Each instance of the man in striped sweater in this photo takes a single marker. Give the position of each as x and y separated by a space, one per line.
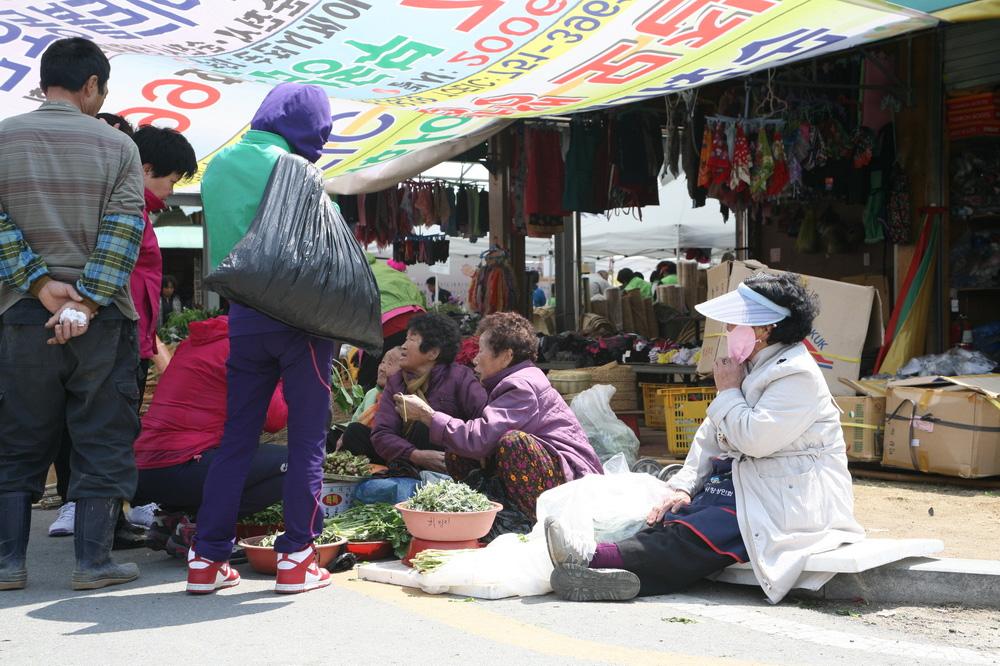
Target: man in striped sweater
71 198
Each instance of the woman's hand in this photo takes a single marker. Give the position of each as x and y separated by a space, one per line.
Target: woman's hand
429 459
728 374
413 408
674 501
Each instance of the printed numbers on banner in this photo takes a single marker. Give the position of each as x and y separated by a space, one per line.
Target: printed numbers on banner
500 41
574 27
507 105
205 96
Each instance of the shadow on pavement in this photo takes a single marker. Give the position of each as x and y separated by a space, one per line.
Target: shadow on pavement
113 613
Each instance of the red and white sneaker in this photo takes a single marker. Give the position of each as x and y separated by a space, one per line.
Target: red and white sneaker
206 576
300 572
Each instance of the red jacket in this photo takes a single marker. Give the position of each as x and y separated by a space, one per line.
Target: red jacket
146 280
189 407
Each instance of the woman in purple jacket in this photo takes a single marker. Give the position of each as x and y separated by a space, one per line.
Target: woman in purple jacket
429 374
526 432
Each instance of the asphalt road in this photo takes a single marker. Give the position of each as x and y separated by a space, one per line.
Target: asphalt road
153 621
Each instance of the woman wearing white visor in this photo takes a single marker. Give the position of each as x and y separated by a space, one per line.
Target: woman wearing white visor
765 480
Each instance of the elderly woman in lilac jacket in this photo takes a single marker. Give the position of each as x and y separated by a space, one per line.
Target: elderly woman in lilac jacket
526 432
429 374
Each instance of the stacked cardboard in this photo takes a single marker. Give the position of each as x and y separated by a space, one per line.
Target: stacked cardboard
944 425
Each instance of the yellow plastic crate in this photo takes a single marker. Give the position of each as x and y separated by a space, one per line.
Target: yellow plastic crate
652 404
684 410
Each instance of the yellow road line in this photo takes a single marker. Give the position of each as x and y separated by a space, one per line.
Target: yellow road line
477 620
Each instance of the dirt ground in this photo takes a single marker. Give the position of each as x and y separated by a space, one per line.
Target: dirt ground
968 521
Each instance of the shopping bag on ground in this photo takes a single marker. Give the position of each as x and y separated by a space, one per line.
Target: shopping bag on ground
300 264
596 508
607 433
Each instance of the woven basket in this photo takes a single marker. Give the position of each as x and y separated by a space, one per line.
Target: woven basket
622 377
569 382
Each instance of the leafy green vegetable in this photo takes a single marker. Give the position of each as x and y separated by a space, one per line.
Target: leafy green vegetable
345 463
328 535
271 515
448 497
679 620
175 328
372 522
347 393
427 561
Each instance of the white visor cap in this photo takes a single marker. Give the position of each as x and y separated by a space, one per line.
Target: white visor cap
743 307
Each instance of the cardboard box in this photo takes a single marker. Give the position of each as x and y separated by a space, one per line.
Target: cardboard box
849 322
863 423
944 425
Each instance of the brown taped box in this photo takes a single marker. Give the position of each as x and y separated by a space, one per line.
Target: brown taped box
849 322
863 423
955 427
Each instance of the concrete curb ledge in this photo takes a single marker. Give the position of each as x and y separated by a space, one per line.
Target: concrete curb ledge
921 581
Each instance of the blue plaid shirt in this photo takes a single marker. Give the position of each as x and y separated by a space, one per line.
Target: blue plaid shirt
106 272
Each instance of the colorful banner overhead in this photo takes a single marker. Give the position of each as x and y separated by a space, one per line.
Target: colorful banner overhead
407 74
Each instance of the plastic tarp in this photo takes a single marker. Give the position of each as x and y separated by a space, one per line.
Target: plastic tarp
405 75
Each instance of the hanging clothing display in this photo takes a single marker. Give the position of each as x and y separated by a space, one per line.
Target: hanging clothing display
428 250
381 217
587 170
636 145
492 286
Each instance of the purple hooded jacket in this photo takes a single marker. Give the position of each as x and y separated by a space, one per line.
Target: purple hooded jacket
452 389
521 398
298 113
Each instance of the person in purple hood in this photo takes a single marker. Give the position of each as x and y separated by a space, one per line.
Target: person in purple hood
295 119
527 432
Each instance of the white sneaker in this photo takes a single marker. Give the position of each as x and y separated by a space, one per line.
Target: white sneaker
142 515
65 519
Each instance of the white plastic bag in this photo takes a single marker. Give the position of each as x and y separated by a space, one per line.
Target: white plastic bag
605 508
607 433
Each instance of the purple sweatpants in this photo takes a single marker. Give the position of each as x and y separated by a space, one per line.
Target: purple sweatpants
256 362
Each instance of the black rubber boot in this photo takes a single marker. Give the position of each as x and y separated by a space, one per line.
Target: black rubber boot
94 534
15 526
129 536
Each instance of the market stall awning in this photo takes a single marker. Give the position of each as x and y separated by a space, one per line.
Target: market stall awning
408 75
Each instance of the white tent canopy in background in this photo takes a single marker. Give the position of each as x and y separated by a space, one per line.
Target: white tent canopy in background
672 225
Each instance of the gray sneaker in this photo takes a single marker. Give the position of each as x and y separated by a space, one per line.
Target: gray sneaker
575 583
561 551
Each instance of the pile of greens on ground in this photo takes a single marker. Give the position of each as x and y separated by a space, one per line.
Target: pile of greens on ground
366 522
271 515
448 497
175 328
372 522
345 463
328 535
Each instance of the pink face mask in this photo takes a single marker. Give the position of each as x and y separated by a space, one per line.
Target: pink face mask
741 341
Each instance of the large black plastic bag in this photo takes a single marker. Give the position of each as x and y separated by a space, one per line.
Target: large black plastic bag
300 264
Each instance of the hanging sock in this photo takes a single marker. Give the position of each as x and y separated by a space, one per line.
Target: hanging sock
739 177
764 161
719 164
704 179
780 178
